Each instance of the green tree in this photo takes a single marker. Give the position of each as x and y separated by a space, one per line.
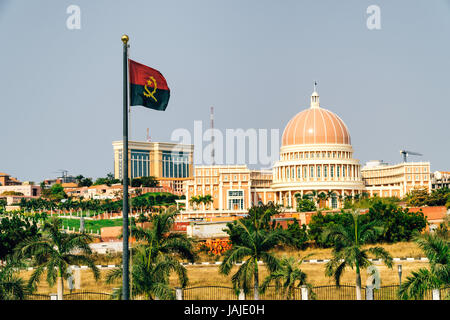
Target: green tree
3 204
14 230
437 276
399 224
149 182
298 234
253 239
12 287
54 252
287 277
157 255
57 192
136 182
306 205
101 181
348 241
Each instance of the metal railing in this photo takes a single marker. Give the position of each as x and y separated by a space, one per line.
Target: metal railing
327 292
209 293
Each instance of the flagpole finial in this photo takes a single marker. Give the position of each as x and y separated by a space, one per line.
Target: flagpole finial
125 39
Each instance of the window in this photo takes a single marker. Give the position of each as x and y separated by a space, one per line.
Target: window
325 169
235 177
338 169
140 163
304 172
225 177
318 171
207 188
293 173
311 173
175 164
332 171
343 171
299 172
207 180
215 180
235 199
333 201
215 188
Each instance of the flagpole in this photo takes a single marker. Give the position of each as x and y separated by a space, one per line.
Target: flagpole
125 253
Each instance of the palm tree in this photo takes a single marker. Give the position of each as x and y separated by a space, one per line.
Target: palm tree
287 277
207 199
252 241
322 197
150 275
157 256
11 286
348 239
437 276
160 241
54 252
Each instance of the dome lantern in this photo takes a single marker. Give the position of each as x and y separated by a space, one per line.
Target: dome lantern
315 97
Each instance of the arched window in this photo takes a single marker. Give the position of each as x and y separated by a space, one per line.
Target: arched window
334 201
318 171
332 171
338 169
311 174
299 172
325 169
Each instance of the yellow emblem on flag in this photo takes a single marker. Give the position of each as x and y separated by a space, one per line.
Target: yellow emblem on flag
149 94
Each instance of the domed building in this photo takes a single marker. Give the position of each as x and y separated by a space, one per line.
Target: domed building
316 159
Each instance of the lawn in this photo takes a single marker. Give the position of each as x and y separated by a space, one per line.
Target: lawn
94 225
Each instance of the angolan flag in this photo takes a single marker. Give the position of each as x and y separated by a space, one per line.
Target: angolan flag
148 88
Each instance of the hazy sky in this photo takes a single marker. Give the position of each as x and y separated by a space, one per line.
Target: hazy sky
254 61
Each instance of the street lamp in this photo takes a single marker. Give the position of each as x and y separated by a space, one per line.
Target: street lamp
400 274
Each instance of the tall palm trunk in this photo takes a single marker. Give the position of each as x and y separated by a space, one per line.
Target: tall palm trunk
60 287
256 284
358 283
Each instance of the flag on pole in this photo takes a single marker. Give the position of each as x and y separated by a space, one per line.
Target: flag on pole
148 87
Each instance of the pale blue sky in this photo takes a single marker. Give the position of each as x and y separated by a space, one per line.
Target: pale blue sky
254 61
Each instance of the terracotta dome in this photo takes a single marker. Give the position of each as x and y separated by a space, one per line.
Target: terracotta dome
315 125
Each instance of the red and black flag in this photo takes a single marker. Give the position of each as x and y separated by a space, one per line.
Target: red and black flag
148 88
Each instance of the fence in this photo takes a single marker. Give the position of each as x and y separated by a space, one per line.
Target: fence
209 293
332 292
36 296
328 292
86 295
